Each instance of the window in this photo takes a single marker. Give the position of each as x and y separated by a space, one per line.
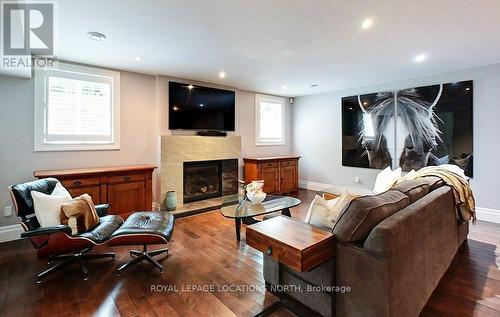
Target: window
269 120
76 108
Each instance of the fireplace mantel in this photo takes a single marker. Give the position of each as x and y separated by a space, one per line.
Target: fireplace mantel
177 149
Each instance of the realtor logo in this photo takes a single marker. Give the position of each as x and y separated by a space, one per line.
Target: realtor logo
28 28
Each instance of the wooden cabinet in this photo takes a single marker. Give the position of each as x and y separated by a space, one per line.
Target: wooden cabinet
280 174
125 188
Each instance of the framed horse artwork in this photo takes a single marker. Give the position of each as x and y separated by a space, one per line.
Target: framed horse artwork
410 128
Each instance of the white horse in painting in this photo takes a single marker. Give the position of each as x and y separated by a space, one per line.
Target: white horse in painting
400 129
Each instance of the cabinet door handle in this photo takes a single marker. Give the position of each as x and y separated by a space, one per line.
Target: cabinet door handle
126 178
77 183
269 251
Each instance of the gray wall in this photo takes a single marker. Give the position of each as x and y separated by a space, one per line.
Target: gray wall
18 160
317 133
143 120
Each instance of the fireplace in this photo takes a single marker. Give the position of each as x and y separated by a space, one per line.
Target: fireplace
209 179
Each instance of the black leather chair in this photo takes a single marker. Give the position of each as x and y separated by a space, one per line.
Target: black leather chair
57 243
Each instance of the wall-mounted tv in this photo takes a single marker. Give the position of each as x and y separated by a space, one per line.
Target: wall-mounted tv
193 107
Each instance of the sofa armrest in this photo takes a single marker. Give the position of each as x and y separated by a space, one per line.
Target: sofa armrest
102 209
46 231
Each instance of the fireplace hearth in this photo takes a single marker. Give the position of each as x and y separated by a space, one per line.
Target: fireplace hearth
209 179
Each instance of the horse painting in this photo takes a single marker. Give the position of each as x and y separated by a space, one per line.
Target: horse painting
409 128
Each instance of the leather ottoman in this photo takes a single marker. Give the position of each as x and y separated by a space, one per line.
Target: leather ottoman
144 227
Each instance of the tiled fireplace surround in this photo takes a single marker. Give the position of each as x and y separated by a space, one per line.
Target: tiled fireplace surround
178 149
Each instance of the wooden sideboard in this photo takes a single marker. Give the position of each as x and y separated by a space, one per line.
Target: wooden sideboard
125 188
280 173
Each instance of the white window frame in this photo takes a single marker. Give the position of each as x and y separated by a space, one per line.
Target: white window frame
40 108
269 142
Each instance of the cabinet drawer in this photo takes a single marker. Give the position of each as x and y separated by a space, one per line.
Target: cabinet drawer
77 182
126 178
93 191
288 163
268 164
283 253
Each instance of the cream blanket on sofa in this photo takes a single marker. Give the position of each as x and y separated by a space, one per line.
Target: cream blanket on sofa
454 177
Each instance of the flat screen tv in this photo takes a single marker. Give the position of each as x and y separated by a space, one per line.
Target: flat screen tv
193 107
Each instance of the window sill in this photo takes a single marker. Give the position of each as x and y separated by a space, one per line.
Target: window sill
76 147
269 143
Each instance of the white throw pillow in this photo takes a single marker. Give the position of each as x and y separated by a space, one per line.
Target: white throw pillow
59 190
48 207
407 177
385 179
324 213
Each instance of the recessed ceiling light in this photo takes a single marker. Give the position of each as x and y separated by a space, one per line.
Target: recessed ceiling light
190 87
365 103
368 23
314 85
420 58
222 74
284 87
175 108
138 58
202 105
96 36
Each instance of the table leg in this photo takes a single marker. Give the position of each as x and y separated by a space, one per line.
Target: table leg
237 222
286 212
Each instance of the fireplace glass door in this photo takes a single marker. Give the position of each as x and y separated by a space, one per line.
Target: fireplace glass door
202 180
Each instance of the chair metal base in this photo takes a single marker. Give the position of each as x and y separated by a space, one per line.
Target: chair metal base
143 255
68 259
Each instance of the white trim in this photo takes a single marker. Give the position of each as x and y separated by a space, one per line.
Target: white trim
484 214
10 233
313 185
487 214
335 189
40 104
270 142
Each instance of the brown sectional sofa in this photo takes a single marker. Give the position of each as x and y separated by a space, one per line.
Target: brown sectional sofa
391 250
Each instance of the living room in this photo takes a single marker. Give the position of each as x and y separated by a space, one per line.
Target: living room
237 158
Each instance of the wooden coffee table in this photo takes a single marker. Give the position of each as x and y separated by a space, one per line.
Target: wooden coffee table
242 210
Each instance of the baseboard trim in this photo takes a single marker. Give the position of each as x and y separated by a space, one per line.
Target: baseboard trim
10 233
488 214
313 185
484 214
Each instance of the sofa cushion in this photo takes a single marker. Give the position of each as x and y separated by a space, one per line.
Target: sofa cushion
434 182
365 212
415 188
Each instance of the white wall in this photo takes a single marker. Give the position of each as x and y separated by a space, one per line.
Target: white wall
317 134
245 122
144 119
247 129
18 160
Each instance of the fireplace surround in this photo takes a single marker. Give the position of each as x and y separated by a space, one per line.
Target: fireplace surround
178 149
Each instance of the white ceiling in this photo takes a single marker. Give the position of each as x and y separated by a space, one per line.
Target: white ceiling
265 44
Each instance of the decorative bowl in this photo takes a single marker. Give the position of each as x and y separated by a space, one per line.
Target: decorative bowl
256 198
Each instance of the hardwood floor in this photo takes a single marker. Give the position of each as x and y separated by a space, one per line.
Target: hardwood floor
204 252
